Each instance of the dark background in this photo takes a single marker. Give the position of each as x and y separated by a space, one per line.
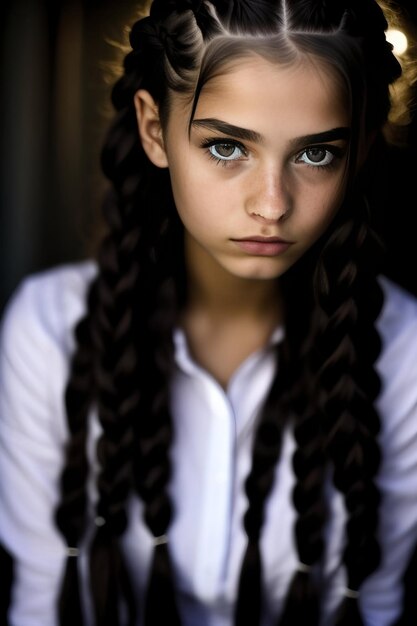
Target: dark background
56 65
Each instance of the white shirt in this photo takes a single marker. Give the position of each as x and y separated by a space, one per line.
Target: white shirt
211 459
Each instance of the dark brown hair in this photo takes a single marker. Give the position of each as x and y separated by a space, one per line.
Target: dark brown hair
326 386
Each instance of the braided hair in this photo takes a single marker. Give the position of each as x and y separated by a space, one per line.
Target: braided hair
326 384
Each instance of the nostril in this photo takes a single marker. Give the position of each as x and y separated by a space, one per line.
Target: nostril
268 215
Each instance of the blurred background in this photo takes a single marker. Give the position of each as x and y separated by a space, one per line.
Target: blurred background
56 65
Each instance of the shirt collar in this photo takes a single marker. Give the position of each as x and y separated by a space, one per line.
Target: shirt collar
185 360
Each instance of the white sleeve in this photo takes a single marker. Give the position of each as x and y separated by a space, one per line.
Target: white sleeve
382 593
33 372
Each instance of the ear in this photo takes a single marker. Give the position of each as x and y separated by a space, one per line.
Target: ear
150 129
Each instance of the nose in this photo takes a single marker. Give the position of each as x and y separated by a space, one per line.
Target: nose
269 200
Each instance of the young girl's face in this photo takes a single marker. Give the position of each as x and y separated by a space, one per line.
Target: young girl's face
262 173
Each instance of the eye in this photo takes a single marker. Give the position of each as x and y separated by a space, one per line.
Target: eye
320 156
224 151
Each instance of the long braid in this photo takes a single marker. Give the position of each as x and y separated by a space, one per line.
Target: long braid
117 401
154 437
266 450
123 264
71 513
154 321
302 601
348 346
288 402
309 468
114 366
125 270
116 358
309 459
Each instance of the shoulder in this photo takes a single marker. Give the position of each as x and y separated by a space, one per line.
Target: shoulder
397 325
399 314
36 341
46 305
397 477
397 367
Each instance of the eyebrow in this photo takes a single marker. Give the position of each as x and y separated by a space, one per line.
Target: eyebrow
334 134
229 129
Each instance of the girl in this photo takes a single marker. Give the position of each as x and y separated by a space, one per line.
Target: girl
230 435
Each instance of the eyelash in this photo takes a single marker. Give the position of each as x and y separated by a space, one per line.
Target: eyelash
209 143
335 151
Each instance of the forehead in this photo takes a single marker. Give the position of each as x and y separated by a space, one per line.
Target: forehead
255 92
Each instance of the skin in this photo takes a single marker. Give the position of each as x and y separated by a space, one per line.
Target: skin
267 184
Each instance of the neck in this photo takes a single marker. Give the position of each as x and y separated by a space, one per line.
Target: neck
222 295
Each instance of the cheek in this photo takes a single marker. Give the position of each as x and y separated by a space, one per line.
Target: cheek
193 207
315 221
197 202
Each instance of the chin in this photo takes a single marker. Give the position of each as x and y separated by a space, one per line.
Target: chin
261 272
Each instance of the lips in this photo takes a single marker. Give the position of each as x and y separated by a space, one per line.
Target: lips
263 246
264 239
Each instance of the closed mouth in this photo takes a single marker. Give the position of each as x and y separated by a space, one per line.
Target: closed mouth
262 246
263 239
